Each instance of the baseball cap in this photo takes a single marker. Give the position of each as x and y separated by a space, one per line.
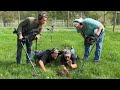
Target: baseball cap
67 53
76 22
54 50
80 20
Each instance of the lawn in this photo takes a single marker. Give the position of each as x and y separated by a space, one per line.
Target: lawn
108 68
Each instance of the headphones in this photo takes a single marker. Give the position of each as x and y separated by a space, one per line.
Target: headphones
41 15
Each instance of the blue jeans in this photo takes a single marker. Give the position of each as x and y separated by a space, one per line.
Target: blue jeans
98 48
19 50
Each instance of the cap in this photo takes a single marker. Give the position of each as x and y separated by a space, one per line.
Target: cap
54 50
80 20
41 15
76 22
67 53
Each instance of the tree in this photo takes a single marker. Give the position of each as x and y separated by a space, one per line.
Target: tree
8 16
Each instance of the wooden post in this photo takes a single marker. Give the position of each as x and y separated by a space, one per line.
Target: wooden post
115 16
37 13
81 14
104 19
68 20
18 17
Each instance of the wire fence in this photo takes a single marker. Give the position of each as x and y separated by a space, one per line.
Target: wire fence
58 25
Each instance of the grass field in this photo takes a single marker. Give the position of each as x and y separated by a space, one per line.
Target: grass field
109 67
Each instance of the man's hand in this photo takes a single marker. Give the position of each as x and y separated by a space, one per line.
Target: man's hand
69 62
91 39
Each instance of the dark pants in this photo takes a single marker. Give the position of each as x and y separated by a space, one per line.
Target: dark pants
19 50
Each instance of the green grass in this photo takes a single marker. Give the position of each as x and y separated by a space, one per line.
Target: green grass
108 68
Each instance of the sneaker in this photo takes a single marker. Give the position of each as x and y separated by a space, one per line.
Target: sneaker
18 62
96 61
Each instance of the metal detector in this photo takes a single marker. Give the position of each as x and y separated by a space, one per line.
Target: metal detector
85 60
36 44
24 39
35 72
50 31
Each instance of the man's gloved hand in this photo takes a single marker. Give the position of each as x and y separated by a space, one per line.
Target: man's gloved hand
91 39
96 36
20 37
37 36
34 36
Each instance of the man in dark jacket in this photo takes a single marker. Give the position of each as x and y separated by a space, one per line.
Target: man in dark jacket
68 59
29 30
47 56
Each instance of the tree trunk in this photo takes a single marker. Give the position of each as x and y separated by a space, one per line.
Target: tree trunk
68 20
18 17
4 21
104 19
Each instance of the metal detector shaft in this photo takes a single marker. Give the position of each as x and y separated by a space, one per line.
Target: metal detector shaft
36 45
85 60
89 53
29 58
50 31
51 36
47 34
